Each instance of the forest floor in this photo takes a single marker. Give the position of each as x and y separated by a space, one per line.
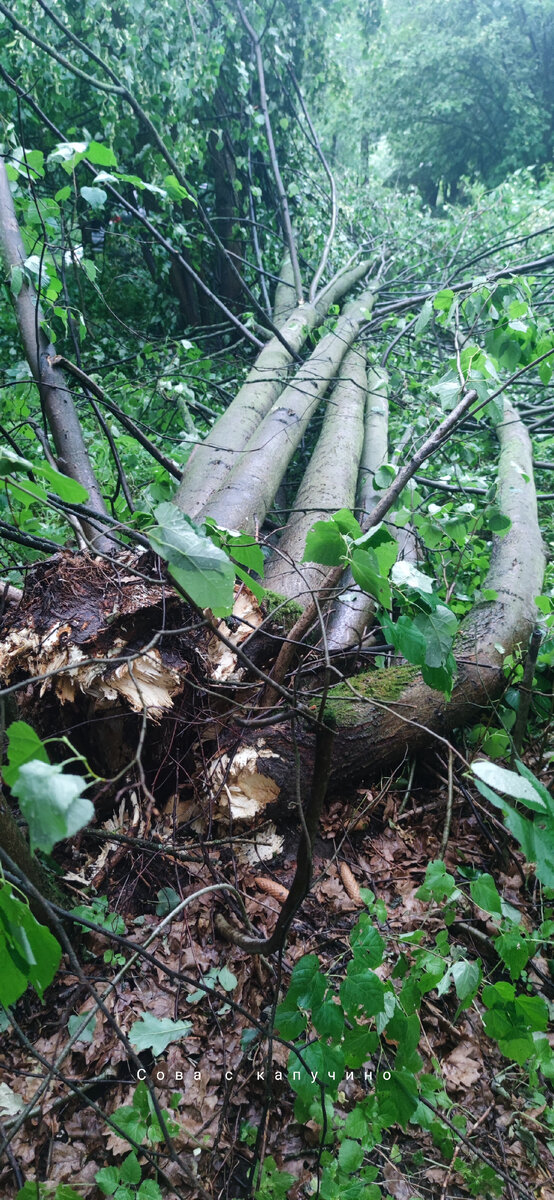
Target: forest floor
211 1081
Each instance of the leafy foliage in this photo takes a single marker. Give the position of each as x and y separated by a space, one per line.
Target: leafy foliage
30 953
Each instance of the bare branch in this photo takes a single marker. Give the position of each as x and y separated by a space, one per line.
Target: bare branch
333 187
283 200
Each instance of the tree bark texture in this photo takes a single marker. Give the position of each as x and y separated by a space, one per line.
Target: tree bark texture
353 608
285 295
211 461
329 482
380 715
244 499
56 399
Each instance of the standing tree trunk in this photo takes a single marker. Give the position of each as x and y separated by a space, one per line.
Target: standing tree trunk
56 398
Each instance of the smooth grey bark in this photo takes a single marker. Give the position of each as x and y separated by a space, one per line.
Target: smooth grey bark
329 482
212 459
353 610
285 295
248 492
72 455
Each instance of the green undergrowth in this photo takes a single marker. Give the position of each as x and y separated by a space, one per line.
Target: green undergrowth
364 1022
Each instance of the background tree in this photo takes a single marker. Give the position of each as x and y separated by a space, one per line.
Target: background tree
463 91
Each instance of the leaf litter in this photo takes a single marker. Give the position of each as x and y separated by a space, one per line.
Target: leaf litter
210 1074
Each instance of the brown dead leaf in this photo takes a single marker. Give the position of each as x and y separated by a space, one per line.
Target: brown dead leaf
463 1066
397 1184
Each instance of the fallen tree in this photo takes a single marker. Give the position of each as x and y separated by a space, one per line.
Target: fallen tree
259 595
110 635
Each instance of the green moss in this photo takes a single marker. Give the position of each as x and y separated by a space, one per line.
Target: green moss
285 612
385 686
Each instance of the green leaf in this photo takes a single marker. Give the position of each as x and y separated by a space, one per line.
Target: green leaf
351 1155
11 463
367 575
168 899
16 282
95 196
497 522
362 989
366 939
407 639
75 1023
447 389
98 912
358 1044
510 784
382 544
29 953
438 884
467 978
23 745
404 574
438 628
397 1096
156 1034
242 547
101 155
384 476
130 1122
227 980
130 1170
539 787
515 950
51 802
149 1190
484 893
63 485
108 1180
289 1021
347 523
201 569
176 191
90 269
424 318
325 544
443 300
328 1019
256 588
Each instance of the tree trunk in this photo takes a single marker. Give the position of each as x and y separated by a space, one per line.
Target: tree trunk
353 610
329 482
285 295
382 715
211 461
244 499
56 399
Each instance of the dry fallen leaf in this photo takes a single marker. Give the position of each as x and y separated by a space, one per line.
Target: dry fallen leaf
462 1067
397 1184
